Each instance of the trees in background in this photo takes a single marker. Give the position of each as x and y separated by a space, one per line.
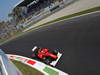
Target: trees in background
6 29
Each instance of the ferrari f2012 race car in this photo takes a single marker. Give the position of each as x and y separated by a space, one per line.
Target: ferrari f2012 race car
46 56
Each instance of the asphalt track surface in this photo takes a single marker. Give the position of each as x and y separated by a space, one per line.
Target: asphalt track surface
78 39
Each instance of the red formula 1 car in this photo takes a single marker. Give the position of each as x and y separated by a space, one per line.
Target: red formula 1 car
46 56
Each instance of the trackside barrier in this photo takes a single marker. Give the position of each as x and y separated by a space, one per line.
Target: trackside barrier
2 67
45 69
47 12
6 66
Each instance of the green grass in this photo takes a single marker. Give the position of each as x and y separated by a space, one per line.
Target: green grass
8 38
25 69
50 71
4 39
56 20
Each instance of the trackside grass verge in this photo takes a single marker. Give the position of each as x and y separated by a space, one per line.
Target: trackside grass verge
10 37
56 20
25 69
70 16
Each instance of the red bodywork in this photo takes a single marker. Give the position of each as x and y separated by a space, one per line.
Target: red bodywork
42 53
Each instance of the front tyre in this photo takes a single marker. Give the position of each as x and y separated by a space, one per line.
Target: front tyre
33 56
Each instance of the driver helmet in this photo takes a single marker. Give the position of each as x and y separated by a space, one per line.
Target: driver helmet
45 50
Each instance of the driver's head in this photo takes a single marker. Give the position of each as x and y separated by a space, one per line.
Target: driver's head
46 50
43 50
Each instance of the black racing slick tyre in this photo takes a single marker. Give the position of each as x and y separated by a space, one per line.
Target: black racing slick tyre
55 52
47 61
33 55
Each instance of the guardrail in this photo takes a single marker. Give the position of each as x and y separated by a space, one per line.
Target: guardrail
45 69
7 67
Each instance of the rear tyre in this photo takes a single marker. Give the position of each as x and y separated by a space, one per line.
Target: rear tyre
55 52
47 61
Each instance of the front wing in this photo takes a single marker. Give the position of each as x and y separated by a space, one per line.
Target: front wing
53 63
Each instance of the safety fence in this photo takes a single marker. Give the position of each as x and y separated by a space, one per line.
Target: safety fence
7 67
46 12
